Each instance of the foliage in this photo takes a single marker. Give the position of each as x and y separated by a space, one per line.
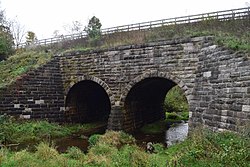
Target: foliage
233 34
20 132
16 131
6 38
116 139
75 153
94 28
176 101
6 43
173 116
93 139
31 37
21 63
202 148
206 148
17 30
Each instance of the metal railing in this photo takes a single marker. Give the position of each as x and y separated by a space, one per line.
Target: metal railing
232 14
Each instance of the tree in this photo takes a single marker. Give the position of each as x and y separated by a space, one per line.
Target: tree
18 31
93 29
31 37
6 43
6 38
75 27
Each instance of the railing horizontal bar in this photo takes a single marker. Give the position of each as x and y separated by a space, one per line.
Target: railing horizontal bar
219 15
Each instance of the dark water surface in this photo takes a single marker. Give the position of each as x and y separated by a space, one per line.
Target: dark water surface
172 135
176 133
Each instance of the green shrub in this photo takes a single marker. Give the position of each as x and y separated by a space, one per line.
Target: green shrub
6 44
202 148
172 116
175 101
207 148
159 148
116 139
93 139
13 131
45 151
75 153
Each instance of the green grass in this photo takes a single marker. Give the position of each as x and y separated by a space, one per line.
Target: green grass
18 132
115 149
77 48
207 148
21 63
233 34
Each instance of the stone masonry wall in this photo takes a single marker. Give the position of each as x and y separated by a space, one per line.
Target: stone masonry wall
35 95
215 80
222 89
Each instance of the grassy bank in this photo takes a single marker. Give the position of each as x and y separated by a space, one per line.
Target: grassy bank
21 63
202 148
21 132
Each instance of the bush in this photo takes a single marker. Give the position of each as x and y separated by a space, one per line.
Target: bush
46 152
6 44
93 139
176 101
116 139
75 153
206 148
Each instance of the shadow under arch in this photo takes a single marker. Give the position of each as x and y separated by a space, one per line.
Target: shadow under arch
88 100
144 96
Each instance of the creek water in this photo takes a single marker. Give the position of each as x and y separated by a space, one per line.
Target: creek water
177 132
174 134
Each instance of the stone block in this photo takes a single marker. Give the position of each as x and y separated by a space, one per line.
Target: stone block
246 108
17 105
25 116
39 101
207 74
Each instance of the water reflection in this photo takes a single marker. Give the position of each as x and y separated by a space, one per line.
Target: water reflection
176 133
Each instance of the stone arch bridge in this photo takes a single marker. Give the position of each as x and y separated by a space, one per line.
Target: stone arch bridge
126 85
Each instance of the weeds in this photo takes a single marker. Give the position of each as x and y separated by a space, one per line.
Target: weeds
201 148
21 63
15 131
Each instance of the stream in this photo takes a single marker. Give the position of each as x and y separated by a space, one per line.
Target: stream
176 133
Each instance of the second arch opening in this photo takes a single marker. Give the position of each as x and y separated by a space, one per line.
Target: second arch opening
144 103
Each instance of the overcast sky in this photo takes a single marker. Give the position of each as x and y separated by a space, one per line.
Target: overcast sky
45 16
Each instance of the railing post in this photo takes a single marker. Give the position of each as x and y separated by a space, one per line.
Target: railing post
219 15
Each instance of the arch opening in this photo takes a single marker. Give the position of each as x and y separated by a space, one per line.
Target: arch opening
87 102
144 103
